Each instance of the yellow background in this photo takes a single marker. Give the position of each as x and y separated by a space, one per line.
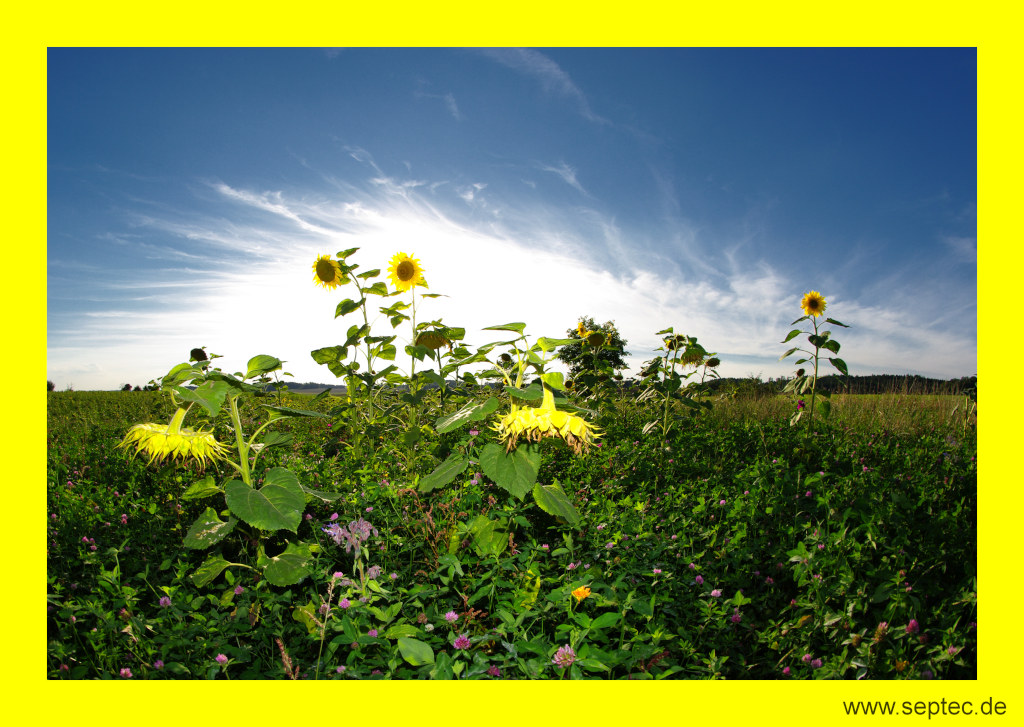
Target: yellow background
32 27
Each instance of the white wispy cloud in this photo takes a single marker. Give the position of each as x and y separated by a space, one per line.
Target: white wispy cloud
495 259
567 173
549 74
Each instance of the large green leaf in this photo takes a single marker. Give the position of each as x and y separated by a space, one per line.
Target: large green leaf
401 631
553 500
516 471
447 471
840 364
333 357
347 306
209 570
488 537
180 374
275 506
414 651
210 395
517 327
208 529
262 364
289 567
201 488
471 412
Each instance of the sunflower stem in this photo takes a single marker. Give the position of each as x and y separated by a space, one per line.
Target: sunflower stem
243 448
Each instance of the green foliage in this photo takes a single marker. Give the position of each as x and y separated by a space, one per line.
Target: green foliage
820 539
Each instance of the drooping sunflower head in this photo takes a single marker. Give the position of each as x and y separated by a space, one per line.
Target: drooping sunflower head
405 272
433 340
813 304
596 338
327 272
173 441
535 423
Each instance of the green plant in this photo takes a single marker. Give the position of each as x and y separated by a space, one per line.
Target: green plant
813 304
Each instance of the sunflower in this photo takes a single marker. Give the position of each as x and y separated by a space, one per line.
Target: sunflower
535 423
433 340
405 272
327 272
813 304
581 330
173 441
595 338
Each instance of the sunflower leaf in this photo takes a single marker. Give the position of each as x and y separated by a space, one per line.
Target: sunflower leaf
275 506
791 335
210 395
262 364
840 364
445 472
834 322
378 288
209 570
345 253
787 353
471 412
201 488
553 500
515 472
368 274
180 374
348 306
517 327
289 567
207 530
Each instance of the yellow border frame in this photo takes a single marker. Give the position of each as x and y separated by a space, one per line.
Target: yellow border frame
989 26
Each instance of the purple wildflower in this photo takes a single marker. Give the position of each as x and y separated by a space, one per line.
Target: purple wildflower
716 593
462 642
451 617
126 673
913 627
221 659
165 601
564 657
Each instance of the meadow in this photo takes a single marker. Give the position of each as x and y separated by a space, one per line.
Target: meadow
742 548
479 515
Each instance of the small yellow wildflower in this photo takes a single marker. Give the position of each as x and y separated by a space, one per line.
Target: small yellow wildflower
580 593
813 304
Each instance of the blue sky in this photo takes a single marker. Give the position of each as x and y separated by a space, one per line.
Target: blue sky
189 192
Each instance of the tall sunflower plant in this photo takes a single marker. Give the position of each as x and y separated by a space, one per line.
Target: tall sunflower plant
362 413
667 382
260 503
537 411
813 305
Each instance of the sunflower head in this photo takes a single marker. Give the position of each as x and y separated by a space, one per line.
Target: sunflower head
433 340
813 304
173 441
596 338
405 272
327 272
581 330
676 341
535 423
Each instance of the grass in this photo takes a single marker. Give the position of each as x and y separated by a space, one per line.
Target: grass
742 548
